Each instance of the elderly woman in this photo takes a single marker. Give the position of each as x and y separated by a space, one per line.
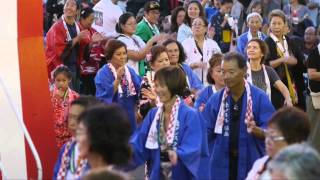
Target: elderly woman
254 21
199 48
177 57
286 58
169 139
118 83
299 161
281 132
262 76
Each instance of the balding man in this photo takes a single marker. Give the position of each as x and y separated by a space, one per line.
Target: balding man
310 39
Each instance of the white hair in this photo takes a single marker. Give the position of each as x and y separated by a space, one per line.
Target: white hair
298 161
254 14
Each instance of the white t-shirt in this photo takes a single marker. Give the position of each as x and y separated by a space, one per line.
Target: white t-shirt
210 47
134 43
106 17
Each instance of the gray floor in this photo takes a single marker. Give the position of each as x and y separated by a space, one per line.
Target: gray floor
137 174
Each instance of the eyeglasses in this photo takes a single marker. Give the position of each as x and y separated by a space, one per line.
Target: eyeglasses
274 138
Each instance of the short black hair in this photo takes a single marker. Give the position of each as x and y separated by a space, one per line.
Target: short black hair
174 78
182 54
108 129
62 70
86 12
235 56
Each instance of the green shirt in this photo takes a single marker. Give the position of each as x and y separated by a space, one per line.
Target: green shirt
145 30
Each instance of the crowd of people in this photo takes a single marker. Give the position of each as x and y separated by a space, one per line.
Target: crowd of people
221 89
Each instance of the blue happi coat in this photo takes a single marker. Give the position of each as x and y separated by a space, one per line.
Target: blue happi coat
250 148
243 41
194 82
104 82
188 145
69 154
203 97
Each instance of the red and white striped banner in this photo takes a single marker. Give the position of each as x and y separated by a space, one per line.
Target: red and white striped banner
24 74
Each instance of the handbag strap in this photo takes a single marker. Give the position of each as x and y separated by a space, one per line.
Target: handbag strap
289 80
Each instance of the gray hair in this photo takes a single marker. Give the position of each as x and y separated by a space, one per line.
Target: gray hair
254 14
298 161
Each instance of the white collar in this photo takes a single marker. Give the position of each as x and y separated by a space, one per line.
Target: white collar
249 35
266 78
67 30
284 49
153 28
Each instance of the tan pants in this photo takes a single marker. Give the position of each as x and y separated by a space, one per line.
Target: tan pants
314 116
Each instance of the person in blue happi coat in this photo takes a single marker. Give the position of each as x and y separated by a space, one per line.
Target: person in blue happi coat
169 140
236 117
118 83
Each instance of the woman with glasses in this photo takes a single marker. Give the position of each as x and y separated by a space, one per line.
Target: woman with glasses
137 49
103 134
194 10
199 48
287 126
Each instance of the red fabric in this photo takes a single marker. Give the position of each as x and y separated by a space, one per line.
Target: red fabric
91 65
56 42
60 112
173 4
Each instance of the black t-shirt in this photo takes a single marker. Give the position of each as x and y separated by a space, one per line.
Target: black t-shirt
71 62
313 62
236 108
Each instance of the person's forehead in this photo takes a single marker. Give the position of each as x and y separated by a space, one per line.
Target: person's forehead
73 2
153 11
230 64
310 32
